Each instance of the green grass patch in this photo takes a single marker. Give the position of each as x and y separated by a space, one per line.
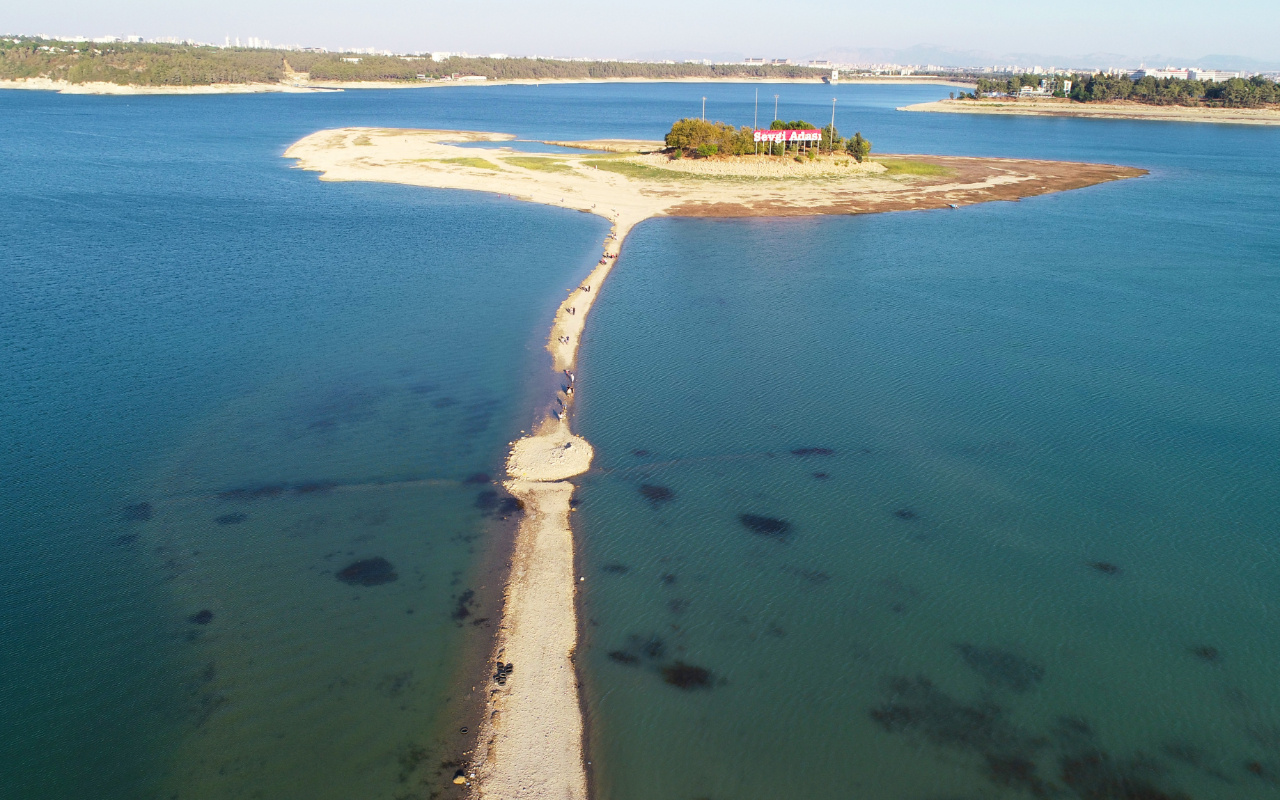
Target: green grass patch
633 170
468 161
918 168
541 164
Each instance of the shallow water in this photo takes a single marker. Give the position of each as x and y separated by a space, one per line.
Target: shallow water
226 382
976 503
1051 489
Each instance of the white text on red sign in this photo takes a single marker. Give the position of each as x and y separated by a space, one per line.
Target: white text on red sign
788 136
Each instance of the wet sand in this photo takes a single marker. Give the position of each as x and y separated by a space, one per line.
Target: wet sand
531 740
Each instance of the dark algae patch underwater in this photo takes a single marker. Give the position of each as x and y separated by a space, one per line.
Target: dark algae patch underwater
368 572
1066 761
765 526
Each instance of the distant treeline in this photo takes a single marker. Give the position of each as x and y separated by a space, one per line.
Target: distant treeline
1234 93
192 65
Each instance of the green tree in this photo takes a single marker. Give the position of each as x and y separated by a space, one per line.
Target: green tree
688 136
858 147
831 139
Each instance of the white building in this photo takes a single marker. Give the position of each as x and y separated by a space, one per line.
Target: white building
1189 74
1161 74
1211 75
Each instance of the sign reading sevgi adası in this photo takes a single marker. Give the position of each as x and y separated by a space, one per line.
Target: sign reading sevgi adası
788 136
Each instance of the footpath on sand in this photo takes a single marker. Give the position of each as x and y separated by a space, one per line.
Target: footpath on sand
531 740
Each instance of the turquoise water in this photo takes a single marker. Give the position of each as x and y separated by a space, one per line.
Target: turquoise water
297 376
1023 463
293 376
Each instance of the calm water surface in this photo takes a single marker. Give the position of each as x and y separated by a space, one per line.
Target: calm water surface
967 504
1039 557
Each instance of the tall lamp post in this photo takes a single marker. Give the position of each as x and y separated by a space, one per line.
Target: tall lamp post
831 143
755 119
775 119
704 109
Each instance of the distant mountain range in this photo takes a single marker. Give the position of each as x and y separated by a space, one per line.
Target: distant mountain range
952 57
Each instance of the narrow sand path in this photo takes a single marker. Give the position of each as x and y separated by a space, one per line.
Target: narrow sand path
531 740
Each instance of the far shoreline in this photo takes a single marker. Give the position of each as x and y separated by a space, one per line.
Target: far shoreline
1060 107
315 87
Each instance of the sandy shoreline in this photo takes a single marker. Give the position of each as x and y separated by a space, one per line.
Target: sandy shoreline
307 86
101 88
1134 111
531 741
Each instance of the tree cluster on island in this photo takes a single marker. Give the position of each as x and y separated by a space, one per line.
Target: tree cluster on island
1255 92
132 64
698 138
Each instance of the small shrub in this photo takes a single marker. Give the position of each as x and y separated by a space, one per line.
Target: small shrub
677 154
707 150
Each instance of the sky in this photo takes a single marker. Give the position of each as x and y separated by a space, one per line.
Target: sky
796 29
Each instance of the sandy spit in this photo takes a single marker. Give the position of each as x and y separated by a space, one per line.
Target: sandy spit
531 739
1118 110
531 742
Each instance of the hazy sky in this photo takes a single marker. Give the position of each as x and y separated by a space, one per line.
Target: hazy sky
795 29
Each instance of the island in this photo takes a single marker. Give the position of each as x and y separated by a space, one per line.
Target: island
531 737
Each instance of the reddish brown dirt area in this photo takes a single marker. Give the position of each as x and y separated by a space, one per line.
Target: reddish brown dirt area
968 181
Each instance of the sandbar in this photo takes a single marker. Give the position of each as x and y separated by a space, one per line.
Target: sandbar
1061 107
531 739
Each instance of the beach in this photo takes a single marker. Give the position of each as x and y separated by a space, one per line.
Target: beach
1061 107
100 87
531 742
303 85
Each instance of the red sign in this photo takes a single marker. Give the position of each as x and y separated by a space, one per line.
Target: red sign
788 136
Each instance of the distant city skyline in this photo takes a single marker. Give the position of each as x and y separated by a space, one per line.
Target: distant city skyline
1242 32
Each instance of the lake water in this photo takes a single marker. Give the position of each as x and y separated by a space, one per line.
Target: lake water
1030 542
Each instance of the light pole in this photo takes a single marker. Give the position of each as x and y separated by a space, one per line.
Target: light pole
704 109
775 119
755 119
831 143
